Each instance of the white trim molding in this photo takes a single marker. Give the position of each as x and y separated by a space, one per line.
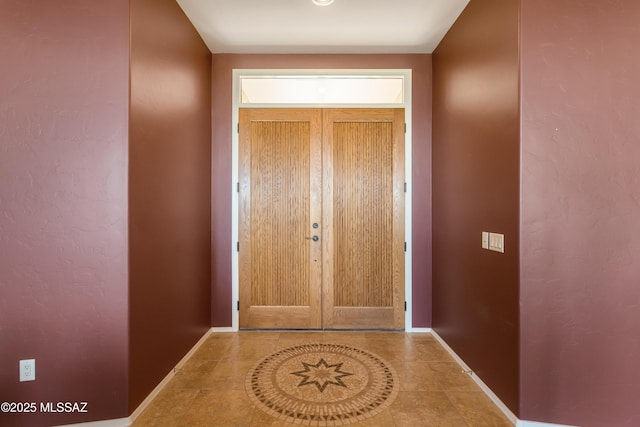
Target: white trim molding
537 424
320 73
222 329
419 330
119 422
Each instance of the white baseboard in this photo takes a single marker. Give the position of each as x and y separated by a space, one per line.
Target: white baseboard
495 399
537 424
119 422
223 329
423 330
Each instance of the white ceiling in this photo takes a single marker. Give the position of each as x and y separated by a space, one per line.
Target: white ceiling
346 26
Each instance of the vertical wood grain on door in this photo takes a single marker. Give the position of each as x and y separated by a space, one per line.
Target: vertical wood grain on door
280 189
363 218
342 169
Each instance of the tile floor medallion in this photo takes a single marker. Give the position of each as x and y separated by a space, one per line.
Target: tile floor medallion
322 384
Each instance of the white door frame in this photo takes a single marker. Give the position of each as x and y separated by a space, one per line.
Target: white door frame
236 105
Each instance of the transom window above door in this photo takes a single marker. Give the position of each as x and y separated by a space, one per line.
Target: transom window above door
326 89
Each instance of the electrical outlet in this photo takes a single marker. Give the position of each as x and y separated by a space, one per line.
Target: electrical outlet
28 370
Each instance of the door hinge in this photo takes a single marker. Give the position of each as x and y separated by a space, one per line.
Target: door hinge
238 306
405 306
405 246
405 187
405 128
237 246
238 188
238 127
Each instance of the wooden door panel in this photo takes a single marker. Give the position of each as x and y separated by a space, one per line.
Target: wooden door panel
363 210
363 220
280 213
280 270
342 169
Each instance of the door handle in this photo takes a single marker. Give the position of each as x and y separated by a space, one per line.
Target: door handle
314 238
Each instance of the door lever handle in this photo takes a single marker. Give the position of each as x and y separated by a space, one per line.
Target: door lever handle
314 238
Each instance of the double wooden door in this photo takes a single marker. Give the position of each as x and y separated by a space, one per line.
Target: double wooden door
321 218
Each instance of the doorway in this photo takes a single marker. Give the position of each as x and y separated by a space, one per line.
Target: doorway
321 218
238 101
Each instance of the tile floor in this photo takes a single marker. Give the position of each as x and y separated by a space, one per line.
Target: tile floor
209 389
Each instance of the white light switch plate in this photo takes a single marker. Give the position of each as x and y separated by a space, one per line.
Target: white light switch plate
496 242
485 240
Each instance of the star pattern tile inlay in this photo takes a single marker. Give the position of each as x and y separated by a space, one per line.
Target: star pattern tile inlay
321 375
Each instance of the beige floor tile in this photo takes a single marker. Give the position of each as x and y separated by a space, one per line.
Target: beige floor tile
450 376
388 351
167 408
219 408
212 349
405 347
293 338
421 337
431 352
388 337
344 338
250 349
209 390
425 408
221 337
478 410
195 374
417 376
262 419
230 375
383 419
258 335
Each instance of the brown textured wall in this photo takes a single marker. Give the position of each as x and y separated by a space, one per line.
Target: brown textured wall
223 66
580 267
169 192
476 188
63 204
